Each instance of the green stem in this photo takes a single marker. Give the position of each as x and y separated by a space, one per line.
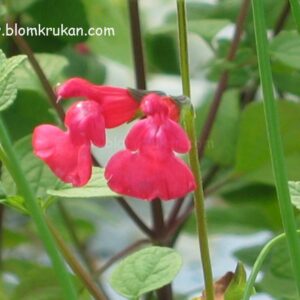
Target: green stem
189 123
275 143
84 276
259 262
295 6
11 161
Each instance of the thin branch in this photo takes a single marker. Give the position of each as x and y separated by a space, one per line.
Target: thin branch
158 219
84 276
137 44
249 94
282 18
135 217
223 82
175 211
179 202
25 48
69 225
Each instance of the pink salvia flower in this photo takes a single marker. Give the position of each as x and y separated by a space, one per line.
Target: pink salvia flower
69 159
85 122
148 168
117 105
68 153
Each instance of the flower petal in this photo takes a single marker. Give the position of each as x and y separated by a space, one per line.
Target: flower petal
118 106
145 177
69 161
85 122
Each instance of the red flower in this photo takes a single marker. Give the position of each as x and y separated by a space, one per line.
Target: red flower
117 105
149 168
69 159
85 122
68 153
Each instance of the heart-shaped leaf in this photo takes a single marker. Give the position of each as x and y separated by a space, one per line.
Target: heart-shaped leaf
146 270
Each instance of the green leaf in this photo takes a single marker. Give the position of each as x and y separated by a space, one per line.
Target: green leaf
53 66
19 6
54 13
253 158
16 202
294 187
8 92
29 110
207 28
287 81
237 285
278 279
146 270
221 146
10 65
164 39
244 211
8 89
286 48
95 188
110 14
87 66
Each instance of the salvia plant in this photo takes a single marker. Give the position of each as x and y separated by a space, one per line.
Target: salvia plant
208 185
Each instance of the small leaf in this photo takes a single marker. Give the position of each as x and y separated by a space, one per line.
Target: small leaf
207 28
8 92
231 286
237 285
10 65
8 88
286 47
16 202
95 188
146 270
294 187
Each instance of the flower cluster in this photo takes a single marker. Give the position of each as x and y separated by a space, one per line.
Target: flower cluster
148 168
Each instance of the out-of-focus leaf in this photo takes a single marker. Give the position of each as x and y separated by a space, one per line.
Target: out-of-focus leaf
95 188
207 28
294 187
113 16
166 41
237 285
87 66
13 238
253 158
39 284
278 279
287 81
8 92
145 271
28 110
222 143
249 255
55 13
286 47
243 211
53 66
16 202
19 6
